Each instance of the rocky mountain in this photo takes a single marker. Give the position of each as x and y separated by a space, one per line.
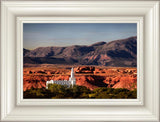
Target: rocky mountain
25 51
119 53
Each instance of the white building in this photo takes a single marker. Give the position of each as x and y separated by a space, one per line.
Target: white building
71 81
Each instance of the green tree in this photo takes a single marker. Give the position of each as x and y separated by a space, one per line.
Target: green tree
60 91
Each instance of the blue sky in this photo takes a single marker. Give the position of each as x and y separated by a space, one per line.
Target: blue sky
66 34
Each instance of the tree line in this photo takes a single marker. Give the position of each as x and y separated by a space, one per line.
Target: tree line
56 91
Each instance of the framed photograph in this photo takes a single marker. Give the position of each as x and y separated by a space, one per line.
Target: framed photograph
80 61
73 64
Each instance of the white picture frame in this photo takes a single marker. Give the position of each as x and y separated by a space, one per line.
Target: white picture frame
137 20
15 13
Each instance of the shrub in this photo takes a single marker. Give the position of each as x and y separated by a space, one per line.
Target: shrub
61 91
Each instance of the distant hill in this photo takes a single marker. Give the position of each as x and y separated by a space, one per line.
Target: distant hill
118 53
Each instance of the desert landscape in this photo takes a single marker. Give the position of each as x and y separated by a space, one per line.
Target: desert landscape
98 66
102 69
89 76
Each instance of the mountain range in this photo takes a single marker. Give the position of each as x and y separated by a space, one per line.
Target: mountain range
117 53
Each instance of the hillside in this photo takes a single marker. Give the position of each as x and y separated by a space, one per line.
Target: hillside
118 53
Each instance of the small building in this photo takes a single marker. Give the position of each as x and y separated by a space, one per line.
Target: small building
71 81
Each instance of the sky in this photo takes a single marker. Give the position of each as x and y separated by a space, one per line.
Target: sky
67 34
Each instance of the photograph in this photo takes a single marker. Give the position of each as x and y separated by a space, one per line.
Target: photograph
79 60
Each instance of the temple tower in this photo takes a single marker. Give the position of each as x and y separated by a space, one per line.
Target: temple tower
72 78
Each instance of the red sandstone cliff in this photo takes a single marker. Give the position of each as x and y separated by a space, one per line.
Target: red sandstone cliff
91 77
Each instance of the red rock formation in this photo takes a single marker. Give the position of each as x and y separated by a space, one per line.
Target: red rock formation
101 77
129 83
85 69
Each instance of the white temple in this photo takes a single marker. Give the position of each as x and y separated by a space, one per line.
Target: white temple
71 81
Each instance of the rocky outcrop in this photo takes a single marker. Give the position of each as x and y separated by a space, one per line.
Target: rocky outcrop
129 83
85 69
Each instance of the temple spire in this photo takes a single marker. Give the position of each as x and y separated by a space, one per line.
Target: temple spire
72 78
72 72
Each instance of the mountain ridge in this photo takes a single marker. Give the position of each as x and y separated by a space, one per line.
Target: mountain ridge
118 53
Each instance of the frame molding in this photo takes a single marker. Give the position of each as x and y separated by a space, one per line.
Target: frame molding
21 101
13 108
